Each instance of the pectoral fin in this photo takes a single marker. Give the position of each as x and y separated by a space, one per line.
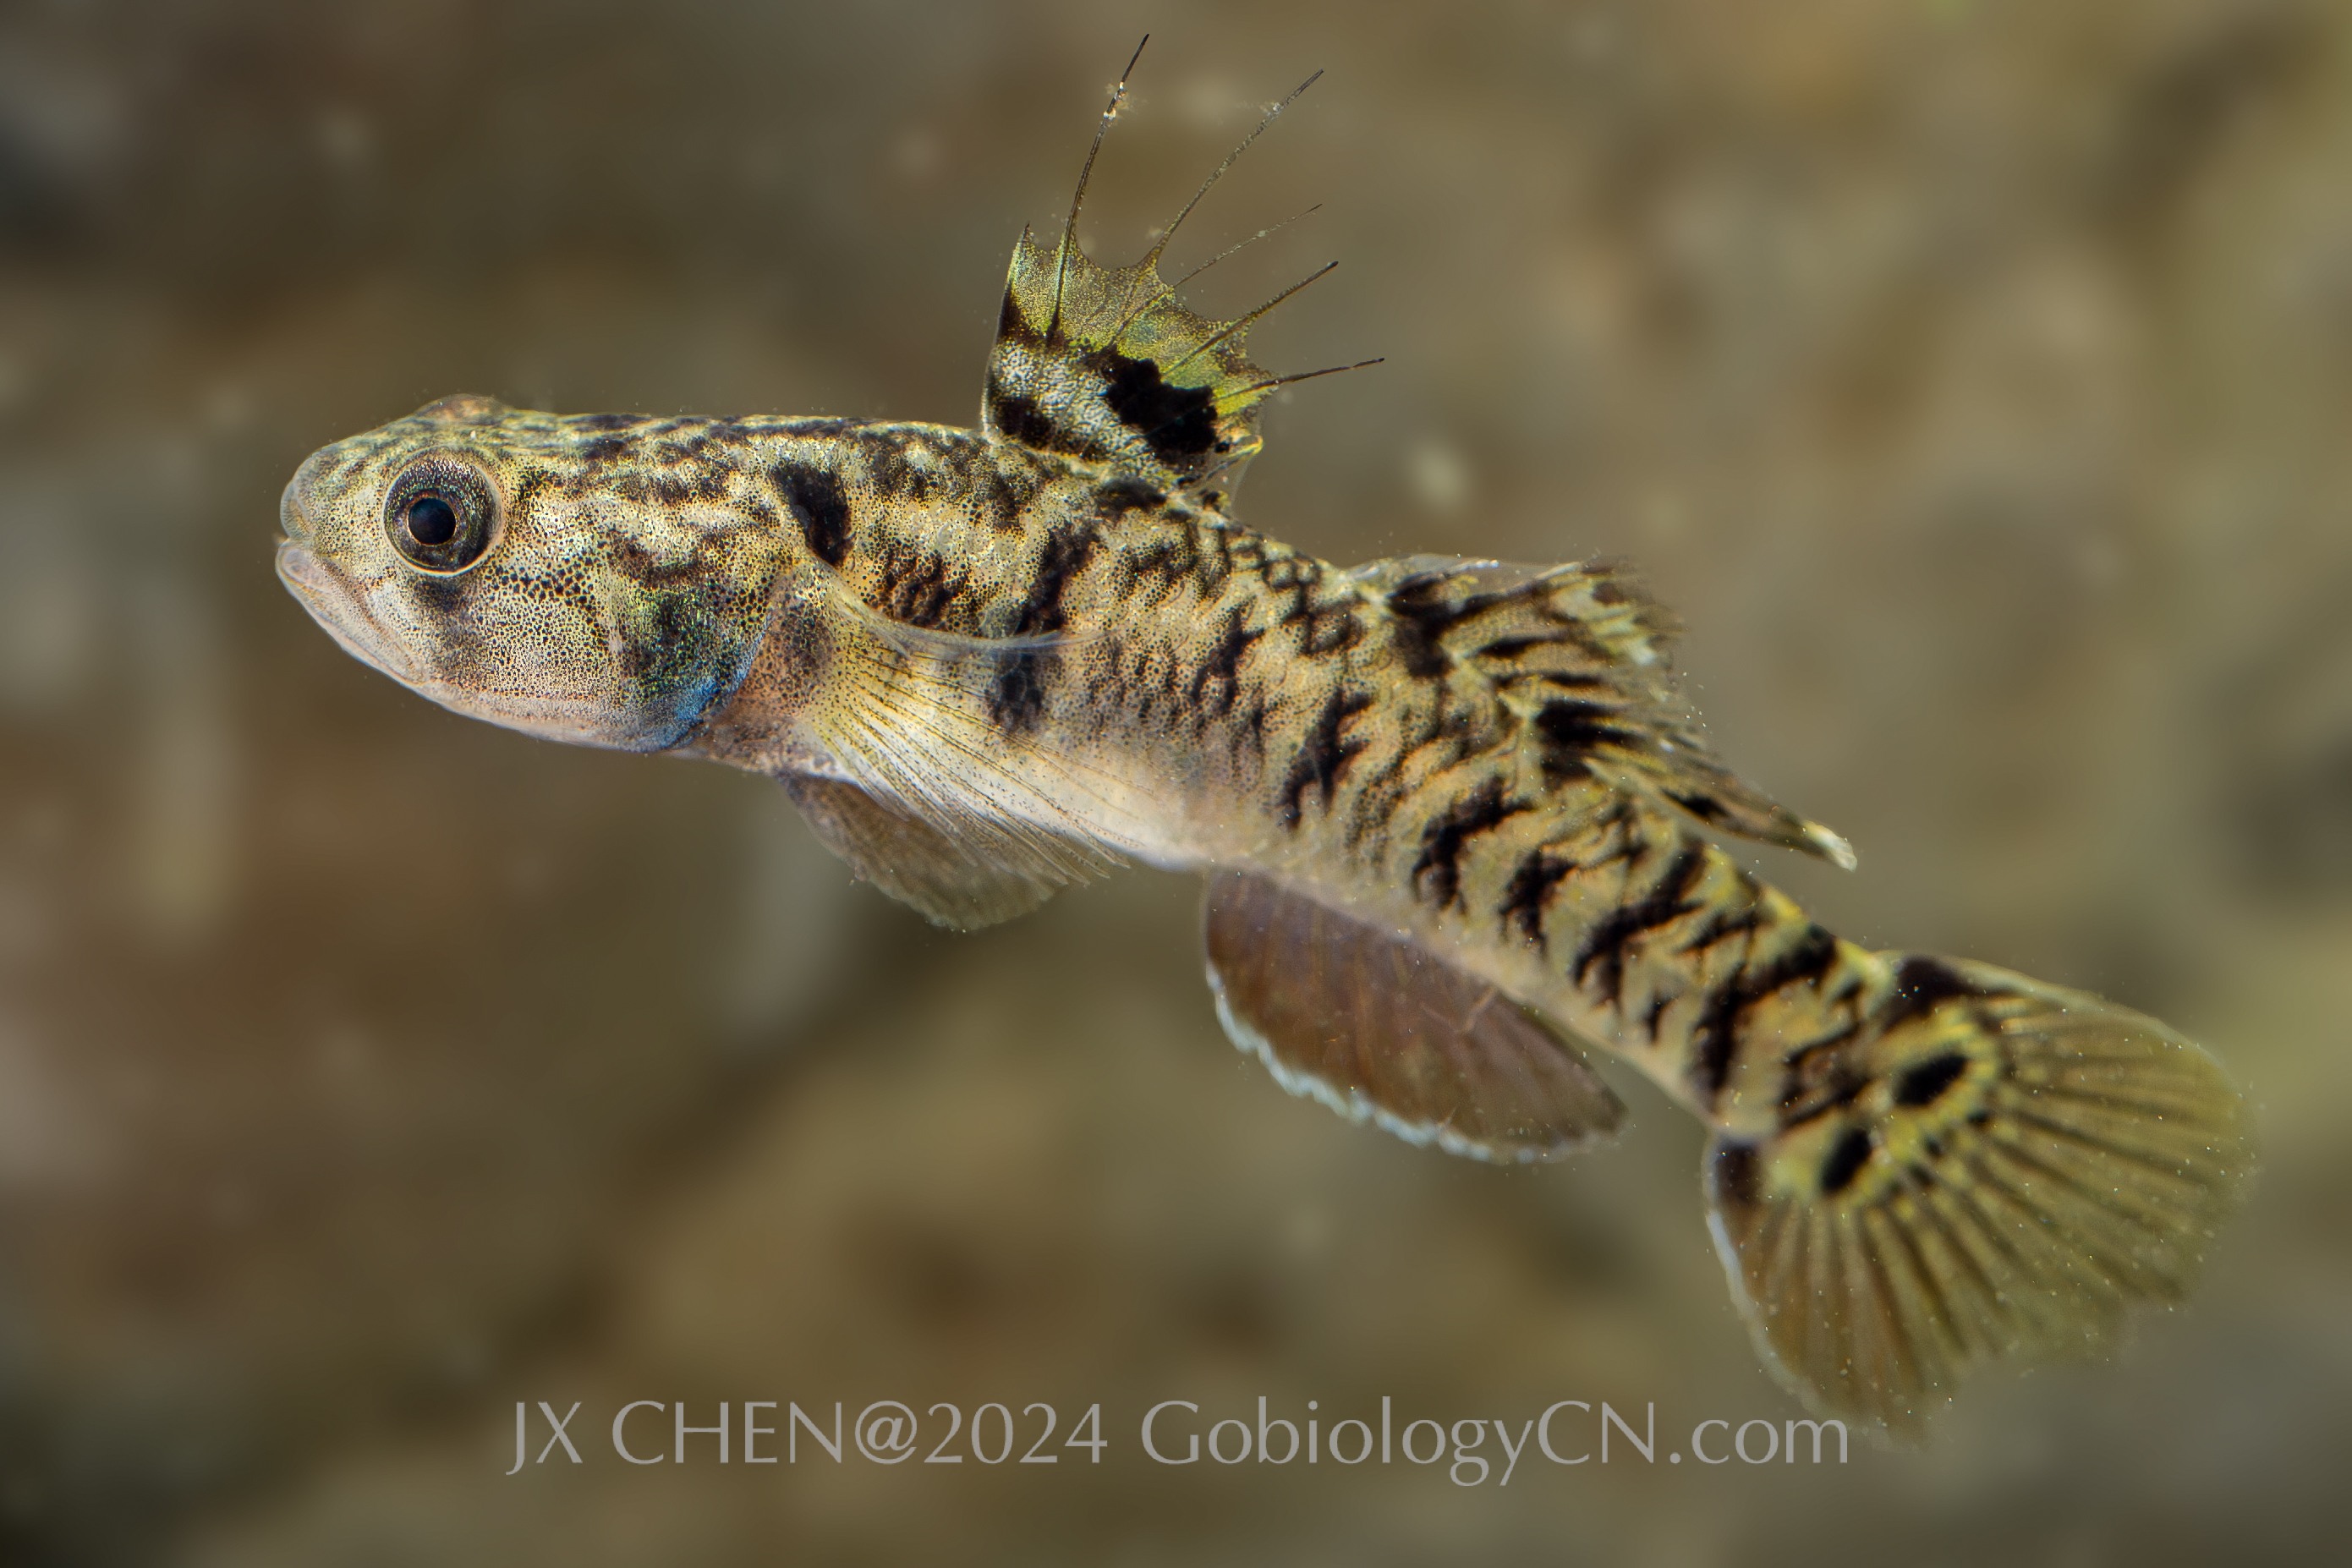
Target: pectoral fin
916 864
1382 1030
908 717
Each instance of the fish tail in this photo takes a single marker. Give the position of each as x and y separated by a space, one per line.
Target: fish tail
1919 1166
1990 1168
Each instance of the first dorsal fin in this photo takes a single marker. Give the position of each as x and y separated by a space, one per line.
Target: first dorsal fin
1382 1029
1105 365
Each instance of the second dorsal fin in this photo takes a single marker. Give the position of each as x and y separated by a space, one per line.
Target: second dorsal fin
1582 653
1104 363
1382 1030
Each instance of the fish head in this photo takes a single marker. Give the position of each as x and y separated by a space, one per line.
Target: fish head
590 579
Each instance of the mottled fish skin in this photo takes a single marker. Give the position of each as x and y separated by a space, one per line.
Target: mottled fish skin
990 663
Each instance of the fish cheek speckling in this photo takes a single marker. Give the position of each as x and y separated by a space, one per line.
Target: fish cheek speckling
761 723
680 603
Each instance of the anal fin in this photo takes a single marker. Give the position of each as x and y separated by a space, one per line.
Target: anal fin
1383 1030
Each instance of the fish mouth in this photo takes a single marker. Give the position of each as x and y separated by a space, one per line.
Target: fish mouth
333 603
322 591
334 606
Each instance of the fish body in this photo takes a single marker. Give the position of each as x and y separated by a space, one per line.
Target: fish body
1454 816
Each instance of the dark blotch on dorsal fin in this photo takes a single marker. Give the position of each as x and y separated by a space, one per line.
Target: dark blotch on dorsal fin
1382 1029
1104 363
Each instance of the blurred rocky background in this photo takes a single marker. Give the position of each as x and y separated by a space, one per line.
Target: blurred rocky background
1974 376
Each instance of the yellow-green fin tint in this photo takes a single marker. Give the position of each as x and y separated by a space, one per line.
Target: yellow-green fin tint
1105 365
2020 1165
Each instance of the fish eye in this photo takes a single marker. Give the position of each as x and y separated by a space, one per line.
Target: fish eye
441 514
432 521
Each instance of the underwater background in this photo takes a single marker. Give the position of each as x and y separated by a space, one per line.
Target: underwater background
1974 377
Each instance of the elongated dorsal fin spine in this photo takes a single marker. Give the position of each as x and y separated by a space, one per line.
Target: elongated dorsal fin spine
1106 364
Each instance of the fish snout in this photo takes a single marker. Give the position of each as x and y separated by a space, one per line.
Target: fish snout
294 502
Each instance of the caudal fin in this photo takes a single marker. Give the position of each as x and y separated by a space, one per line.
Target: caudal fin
1998 1170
